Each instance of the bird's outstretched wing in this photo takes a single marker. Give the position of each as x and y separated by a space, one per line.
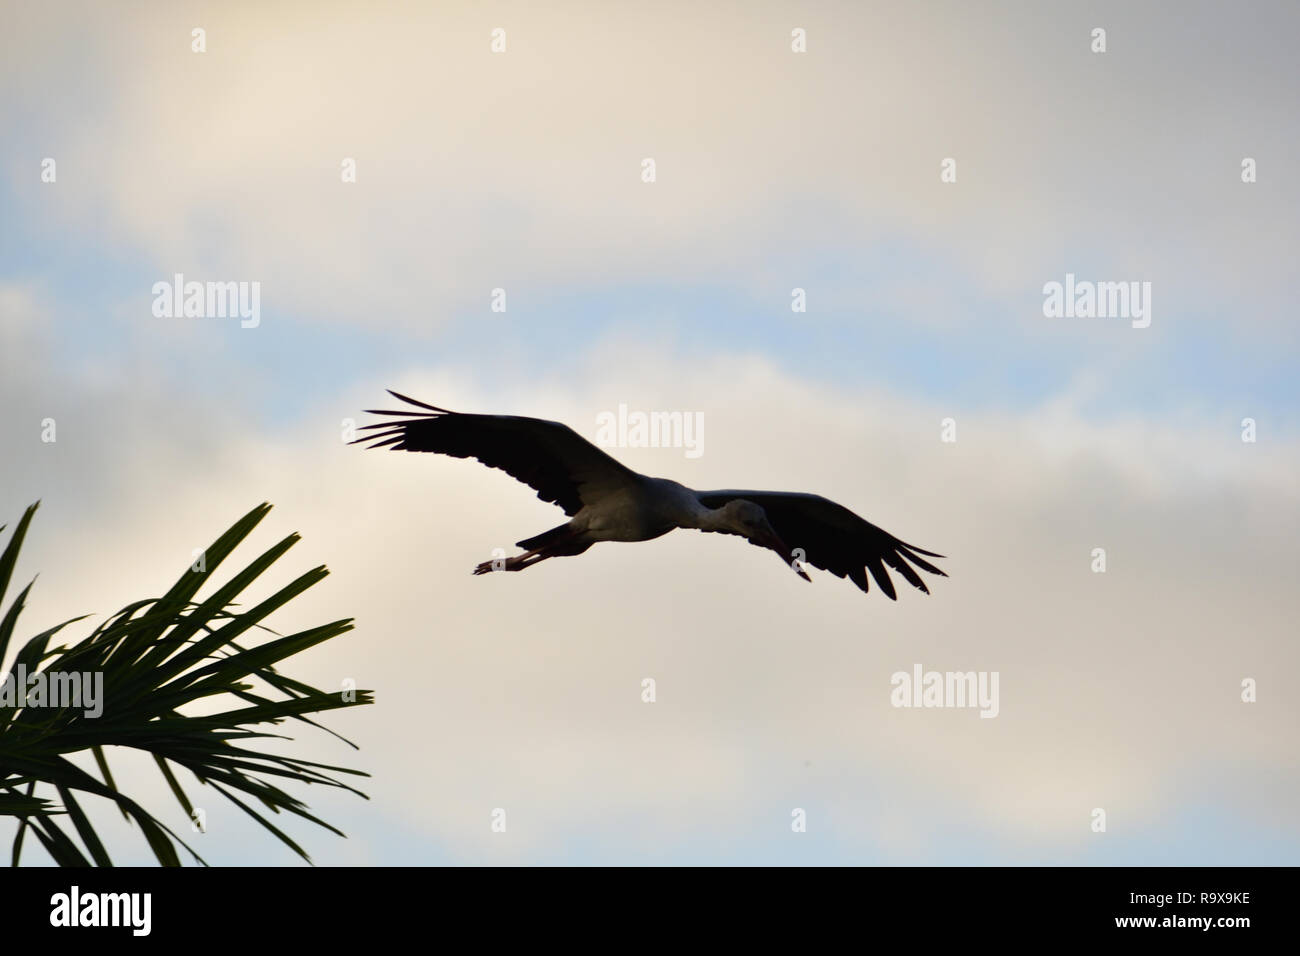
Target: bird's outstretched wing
835 539
549 457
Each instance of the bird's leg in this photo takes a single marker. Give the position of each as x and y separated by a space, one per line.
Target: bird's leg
516 563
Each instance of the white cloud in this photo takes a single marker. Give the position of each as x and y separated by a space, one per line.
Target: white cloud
477 171
522 691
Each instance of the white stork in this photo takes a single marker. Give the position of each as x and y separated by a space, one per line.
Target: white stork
606 501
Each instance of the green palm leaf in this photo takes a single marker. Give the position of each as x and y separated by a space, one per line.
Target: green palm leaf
157 656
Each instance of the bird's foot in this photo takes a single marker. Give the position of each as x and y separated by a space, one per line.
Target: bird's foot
503 564
515 563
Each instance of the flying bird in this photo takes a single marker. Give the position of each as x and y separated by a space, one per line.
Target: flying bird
607 501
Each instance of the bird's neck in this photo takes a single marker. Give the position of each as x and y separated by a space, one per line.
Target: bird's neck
712 519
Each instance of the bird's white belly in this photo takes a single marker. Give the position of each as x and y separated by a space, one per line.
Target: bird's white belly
633 515
625 527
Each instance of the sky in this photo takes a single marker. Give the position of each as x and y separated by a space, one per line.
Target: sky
921 173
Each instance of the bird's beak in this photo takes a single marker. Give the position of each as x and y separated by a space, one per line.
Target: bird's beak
773 540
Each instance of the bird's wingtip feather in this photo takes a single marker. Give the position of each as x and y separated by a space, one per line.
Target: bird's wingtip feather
412 401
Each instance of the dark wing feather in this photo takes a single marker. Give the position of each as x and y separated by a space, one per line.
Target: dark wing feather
835 539
553 459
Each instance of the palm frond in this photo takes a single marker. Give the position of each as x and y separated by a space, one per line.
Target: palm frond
156 657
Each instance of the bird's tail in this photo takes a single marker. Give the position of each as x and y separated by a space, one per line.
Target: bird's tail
546 539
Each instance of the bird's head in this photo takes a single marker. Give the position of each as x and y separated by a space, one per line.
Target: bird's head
750 520
745 517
